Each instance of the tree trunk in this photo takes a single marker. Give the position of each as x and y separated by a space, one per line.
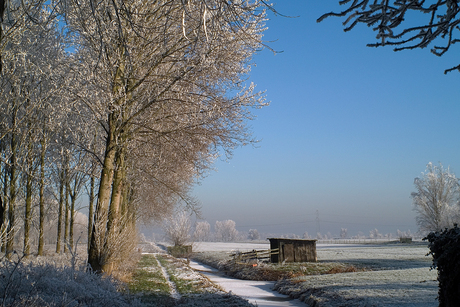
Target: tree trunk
61 209
41 225
114 211
11 216
97 253
66 213
73 196
29 192
5 208
2 10
95 258
13 187
91 203
28 214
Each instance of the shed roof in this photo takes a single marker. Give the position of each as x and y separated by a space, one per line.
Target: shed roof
288 239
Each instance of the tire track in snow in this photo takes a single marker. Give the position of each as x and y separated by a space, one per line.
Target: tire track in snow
172 286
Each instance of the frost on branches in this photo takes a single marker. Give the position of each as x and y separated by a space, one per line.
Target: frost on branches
436 199
407 24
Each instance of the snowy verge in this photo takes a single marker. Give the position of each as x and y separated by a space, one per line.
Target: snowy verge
400 275
48 282
186 287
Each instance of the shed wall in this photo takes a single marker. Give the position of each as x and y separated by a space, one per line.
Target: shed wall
293 250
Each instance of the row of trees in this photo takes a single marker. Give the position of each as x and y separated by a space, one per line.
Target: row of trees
178 230
129 102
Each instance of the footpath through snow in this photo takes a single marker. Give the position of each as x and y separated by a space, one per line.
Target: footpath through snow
259 293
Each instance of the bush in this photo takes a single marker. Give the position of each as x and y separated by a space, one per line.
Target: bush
445 249
45 284
182 251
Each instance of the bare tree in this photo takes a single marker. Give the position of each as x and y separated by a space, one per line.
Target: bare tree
436 200
177 228
408 24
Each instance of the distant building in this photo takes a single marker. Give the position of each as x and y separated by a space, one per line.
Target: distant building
293 250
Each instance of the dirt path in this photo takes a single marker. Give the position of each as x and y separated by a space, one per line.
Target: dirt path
259 293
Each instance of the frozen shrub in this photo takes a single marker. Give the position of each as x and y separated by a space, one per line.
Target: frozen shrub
177 228
445 249
52 284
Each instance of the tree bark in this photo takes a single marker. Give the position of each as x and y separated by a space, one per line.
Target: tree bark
5 208
105 187
41 225
13 187
114 210
91 204
61 209
73 196
28 214
66 212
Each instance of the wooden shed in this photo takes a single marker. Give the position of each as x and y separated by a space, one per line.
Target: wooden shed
293 250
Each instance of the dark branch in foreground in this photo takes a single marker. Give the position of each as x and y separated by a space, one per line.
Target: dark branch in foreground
388 19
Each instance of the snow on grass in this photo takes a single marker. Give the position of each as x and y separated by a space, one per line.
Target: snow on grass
406 287
399 275
192 288
228 246
56 281
391 274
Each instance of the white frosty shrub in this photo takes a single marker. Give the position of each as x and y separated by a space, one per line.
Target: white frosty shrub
436 199
177 228
26 283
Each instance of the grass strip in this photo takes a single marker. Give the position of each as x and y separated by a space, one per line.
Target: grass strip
148 277
174 269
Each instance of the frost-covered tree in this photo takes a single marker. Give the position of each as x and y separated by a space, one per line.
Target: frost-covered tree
343 233
375 234
165 82
253 234
31 53
436 199
404 234
408 24
177 228
226 231
202 231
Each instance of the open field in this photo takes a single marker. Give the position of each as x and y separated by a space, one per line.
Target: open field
389 274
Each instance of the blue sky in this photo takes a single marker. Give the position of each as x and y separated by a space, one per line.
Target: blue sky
348 129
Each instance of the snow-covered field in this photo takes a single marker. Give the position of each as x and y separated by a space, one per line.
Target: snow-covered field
228 246
397 275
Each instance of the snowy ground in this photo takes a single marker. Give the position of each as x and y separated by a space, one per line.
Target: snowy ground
398 275
259 293
228 246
